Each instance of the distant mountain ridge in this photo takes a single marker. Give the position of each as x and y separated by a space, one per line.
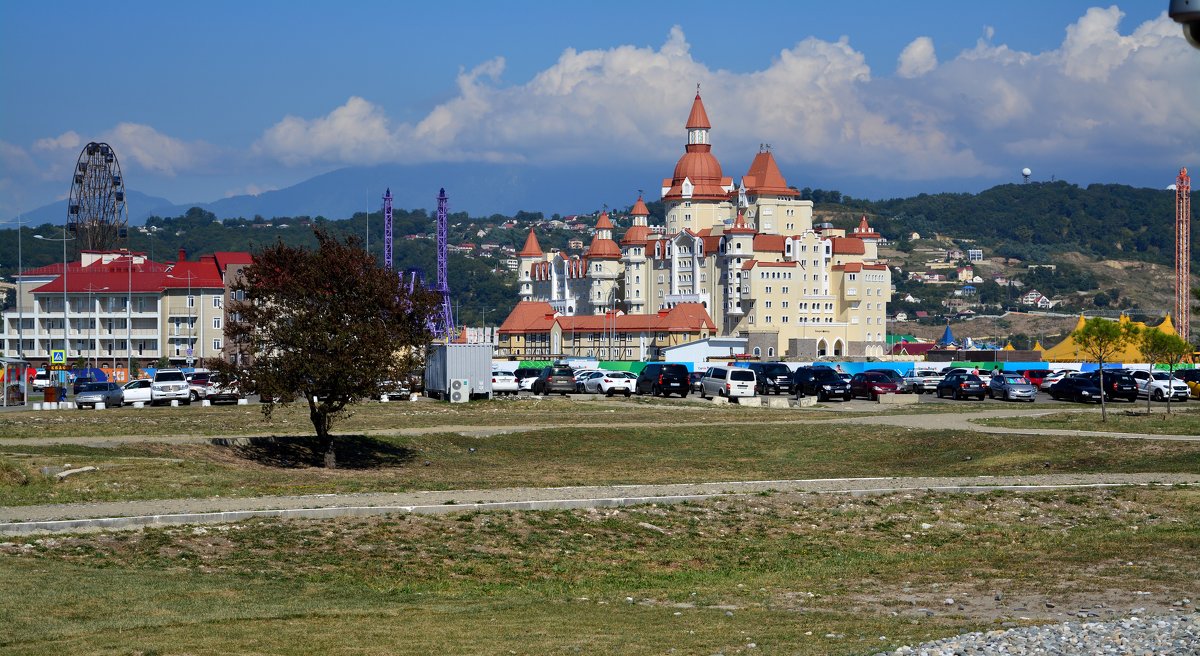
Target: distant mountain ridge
478 189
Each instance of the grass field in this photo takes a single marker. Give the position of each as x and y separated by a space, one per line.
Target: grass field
1183 420
561 457
780 572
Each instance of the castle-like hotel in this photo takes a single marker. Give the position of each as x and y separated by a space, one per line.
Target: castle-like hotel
734 260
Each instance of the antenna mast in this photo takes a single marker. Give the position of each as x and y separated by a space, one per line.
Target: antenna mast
1183 254
445 316
387 229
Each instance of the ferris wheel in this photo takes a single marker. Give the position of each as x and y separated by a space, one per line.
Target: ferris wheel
96 209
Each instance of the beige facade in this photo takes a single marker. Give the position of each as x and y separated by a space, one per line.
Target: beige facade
747 253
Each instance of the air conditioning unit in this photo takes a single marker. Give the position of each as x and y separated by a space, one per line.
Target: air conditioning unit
460 390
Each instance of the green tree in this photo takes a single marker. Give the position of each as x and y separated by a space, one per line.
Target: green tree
1103 340
1166 348
327 326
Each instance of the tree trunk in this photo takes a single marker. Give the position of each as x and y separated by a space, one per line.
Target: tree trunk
1170 387
320 421
1103 405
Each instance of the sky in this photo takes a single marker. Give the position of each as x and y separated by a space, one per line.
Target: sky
875 98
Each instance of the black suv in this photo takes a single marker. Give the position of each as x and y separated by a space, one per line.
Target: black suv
80 383
664 379
555 378
822 382
1075 388
771 376
1117 384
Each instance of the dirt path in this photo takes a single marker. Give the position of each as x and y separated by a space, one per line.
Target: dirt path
134 514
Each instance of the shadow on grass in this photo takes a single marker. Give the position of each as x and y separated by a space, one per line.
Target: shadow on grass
353 451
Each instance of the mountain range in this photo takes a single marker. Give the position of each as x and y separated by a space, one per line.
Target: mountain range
479 190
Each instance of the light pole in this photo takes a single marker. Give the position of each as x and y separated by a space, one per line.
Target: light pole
129 321
92 323
20 305
189 301
66 305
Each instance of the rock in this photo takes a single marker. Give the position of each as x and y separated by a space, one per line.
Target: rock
948 601
62 475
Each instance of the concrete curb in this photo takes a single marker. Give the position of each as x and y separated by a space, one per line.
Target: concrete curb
330 512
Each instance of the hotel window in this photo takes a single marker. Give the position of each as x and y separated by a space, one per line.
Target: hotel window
216 345
785 290
216 322
191 301
218 302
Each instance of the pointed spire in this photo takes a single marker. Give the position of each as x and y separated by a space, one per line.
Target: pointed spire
603 223
698 119
532 248
639 208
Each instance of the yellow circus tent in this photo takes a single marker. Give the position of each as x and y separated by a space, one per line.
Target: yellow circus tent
1008 347
1068 351
1037 346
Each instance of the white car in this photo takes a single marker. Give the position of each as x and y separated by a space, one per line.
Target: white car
610 382
526 384
170 385
1054 377
138 390
504 383
41 379
1156 385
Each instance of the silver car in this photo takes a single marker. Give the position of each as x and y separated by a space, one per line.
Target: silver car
1011 387
110 394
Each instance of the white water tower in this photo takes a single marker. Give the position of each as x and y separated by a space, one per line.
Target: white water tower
1025 173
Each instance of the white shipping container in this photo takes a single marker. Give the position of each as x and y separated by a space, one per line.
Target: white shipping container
447 362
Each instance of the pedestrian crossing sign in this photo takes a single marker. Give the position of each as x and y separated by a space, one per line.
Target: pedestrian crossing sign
58 356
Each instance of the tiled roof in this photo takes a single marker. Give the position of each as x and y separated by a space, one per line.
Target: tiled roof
528 316
764 177
639 208
848 246
698 119
603 223
531 248
769 243
635 235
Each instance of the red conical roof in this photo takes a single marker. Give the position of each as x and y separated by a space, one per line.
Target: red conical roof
698 119
532 248
603 223
639 208
764 177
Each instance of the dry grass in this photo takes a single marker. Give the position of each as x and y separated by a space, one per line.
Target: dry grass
1183 420
781 572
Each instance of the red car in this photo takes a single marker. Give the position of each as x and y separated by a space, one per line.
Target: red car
870 384
1036 376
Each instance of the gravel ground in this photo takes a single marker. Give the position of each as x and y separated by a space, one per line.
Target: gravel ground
1169 635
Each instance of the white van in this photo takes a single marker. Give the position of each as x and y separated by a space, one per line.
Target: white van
41 379
730 382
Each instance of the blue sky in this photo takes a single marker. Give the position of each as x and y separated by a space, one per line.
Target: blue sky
206 100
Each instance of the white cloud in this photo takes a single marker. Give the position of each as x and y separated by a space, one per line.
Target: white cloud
155 151
917 58
249 190
69 140
358 132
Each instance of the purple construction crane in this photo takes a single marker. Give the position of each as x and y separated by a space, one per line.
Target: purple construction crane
387 229
444 317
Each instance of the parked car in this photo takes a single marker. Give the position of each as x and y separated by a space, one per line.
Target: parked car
524 374
821 382
222 391
1118 384
729 382
903 386
580 376
504 383
665 379
610 382
1053 377
984 375
169 385
41 379
92 393
1011 387
1190 377
137 390
392 390
1075 388
81 382
198 386
961 385
555 379
1158 385
923 381
1036 376
695 377
871 384
771 377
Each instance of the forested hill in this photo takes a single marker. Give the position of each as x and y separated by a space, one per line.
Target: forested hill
1032 221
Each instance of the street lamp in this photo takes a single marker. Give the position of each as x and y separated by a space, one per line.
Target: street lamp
66 306
20 293
92 323
190 302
